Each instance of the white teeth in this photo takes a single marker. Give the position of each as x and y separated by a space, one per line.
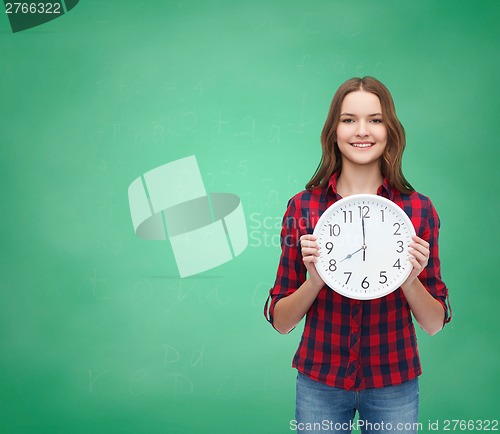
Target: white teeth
362 145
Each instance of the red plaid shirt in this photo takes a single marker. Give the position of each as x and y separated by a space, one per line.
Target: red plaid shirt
356 344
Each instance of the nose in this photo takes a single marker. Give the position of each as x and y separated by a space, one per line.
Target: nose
362 129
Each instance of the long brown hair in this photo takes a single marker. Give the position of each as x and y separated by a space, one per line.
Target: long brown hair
390 164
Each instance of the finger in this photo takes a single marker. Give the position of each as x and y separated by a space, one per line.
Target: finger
309 259
419 256
420 248
307 251
307 243
417 266
420 241
309 237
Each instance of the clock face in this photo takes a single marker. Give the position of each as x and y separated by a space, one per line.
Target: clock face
364 241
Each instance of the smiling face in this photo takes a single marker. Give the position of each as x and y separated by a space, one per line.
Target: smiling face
361 131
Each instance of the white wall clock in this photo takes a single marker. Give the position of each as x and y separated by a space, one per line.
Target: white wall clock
364 241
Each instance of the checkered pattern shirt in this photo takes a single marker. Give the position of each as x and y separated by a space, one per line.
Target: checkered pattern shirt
356 344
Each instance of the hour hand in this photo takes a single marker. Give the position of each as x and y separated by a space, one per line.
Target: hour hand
349 256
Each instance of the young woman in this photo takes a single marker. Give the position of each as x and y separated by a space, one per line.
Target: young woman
358 355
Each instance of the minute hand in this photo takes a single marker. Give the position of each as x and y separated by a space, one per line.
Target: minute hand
364 243
363 226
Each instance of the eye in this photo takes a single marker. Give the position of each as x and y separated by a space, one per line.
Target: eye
347 120
377 121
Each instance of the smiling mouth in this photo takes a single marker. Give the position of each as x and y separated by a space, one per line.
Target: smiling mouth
362 144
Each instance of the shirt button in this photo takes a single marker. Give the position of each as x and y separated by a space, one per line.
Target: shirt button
358 302
356 330
354 357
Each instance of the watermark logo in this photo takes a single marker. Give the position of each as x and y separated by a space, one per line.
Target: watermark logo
205 230
24 15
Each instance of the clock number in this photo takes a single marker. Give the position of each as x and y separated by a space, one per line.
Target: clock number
333 265
363 212
345 216
400 244
397 264
348 277
329 246
383 215
383 276
396 232
334 230
365 284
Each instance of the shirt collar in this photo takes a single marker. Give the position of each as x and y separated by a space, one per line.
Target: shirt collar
384 190
332 184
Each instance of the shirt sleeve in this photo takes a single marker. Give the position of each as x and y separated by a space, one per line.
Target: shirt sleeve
431 275
291 269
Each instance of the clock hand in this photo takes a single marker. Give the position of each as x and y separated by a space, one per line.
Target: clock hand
363 247
363 227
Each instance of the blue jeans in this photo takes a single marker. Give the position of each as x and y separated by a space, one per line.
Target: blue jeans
325 409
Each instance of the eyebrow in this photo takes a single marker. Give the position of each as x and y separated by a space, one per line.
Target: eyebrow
350 114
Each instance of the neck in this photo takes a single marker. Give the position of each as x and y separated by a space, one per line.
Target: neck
359 180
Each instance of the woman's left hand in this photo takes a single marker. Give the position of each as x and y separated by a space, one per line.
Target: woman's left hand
419 257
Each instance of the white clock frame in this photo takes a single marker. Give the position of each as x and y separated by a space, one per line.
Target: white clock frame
364 254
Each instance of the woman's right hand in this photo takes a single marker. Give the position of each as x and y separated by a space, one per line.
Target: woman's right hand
310 253
289 310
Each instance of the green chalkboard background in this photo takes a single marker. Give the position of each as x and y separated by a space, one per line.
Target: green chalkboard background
98 334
